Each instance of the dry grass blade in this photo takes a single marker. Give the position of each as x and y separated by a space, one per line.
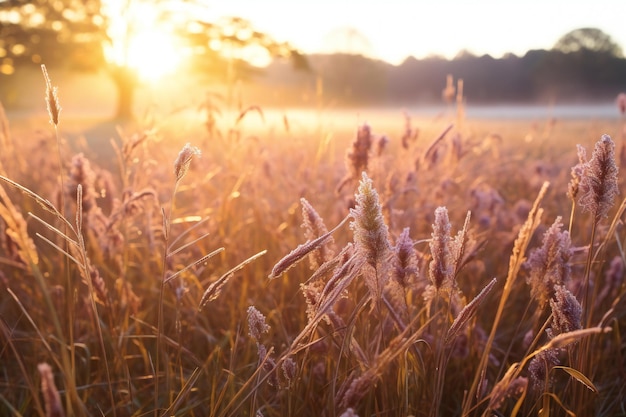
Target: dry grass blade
8 336
515 263
79 208
54 229
45 204
191 265
60 249
468 312
324 268
184 392
565 339
296 255
399 344
610 234
215 289
331 292
43 339
461 240
166 224
244 112
577 375
186 245
433 145
199 221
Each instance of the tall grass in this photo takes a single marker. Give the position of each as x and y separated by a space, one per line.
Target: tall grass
429 273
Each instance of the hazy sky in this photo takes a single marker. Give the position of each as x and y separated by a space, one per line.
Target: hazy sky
395 29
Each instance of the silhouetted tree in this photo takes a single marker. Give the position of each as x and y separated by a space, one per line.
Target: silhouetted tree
76 34
590 39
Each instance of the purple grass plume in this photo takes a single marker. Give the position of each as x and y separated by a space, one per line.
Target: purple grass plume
405 268
51 397
598 185
577 173
566 311
549 265
440 269
371 236
315 227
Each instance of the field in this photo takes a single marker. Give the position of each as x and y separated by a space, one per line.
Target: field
320 263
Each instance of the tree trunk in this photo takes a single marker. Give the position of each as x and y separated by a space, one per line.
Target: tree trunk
125 81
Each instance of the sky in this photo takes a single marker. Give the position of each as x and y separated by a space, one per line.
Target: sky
392 30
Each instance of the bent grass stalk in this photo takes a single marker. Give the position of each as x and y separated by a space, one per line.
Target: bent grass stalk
74 405
515 263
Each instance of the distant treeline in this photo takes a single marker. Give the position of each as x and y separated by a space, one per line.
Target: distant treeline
538 76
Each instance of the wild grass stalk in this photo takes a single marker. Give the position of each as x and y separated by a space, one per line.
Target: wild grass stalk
598 191
14 219
181 166
397 318
515 263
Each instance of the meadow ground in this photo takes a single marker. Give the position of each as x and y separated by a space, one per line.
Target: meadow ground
146 289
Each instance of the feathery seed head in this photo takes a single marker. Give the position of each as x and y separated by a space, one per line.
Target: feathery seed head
181 165
370 231
440 270
52 98
406 262
357 158
577 173
566 311
289 370
82 174
314 227
256 323
509 389
540 366
598 185
52 399
549 265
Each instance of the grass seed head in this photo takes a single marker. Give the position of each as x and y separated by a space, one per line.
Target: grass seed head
181 165
540 366
566 311
52 98
370 231
51 397
406 263
598 185
256 323
440 270
314 227
549 265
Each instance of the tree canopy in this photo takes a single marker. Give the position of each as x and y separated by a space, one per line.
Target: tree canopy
94 34
590 39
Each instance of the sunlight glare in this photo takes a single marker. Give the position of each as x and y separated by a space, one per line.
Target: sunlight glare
140 41
153 54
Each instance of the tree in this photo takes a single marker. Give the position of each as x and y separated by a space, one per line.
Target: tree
590 39
93 34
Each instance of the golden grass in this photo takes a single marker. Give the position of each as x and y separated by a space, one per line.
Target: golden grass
133 277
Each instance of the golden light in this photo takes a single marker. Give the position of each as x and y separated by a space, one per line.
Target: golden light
141 41
153 54
256 55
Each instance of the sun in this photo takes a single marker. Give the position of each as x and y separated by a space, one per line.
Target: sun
139 40
153 54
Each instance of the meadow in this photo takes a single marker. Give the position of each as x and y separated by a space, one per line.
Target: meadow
237 264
